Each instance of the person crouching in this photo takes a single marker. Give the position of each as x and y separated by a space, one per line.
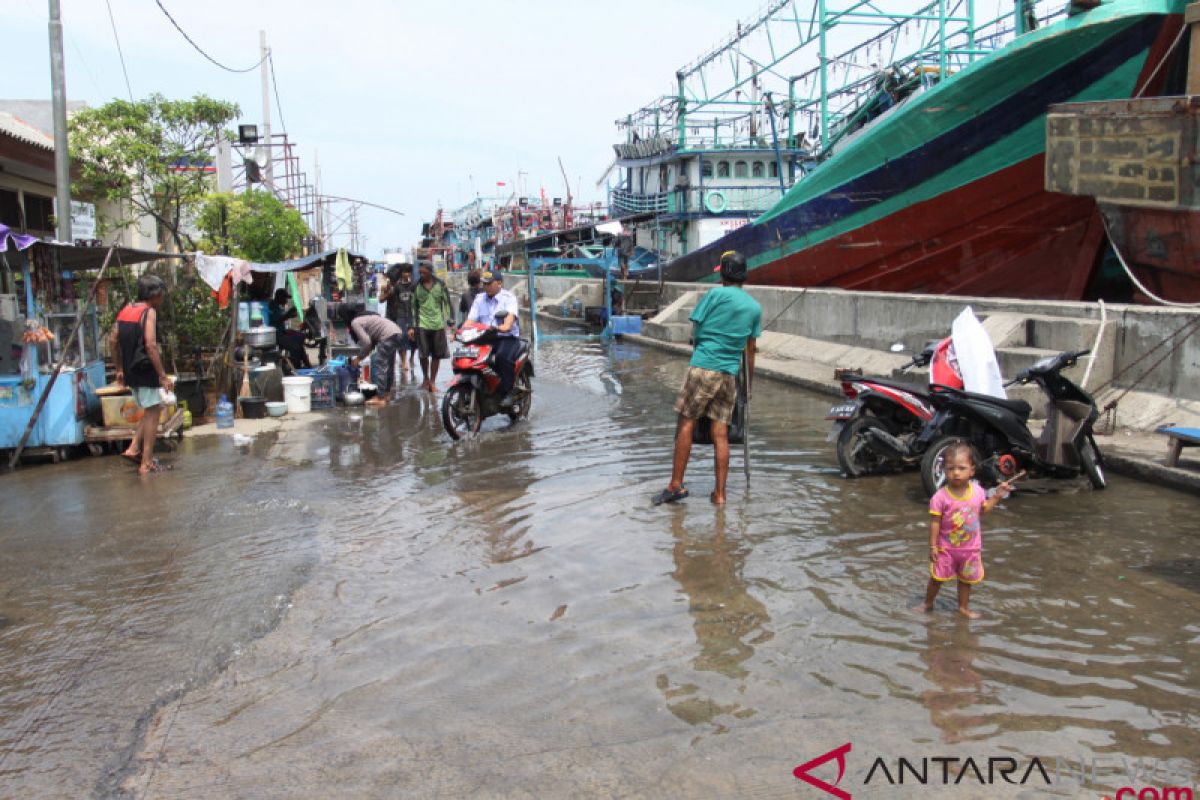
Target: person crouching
372 332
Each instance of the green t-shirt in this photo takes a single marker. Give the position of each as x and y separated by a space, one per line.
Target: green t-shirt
432 305
725 318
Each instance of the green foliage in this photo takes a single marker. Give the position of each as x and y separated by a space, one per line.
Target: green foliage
190 318
131 152
256 226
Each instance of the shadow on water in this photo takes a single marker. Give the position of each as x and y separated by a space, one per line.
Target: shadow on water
509 611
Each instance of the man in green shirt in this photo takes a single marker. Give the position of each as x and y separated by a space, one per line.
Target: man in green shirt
431 315
726 323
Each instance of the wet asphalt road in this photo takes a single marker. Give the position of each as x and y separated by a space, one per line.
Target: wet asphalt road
363 608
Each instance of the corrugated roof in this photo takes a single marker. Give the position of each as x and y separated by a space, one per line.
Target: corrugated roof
18 128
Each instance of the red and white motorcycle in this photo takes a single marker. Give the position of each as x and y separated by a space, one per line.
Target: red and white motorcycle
474 395
883 425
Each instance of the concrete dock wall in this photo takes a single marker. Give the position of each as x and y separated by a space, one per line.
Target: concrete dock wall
876 320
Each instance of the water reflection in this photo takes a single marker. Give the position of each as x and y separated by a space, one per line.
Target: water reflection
727 620
949 655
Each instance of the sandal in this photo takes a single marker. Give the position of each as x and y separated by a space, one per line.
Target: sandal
670 496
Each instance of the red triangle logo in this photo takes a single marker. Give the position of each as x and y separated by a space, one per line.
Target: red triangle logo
801 772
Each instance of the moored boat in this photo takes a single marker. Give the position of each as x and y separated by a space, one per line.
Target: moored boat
941 190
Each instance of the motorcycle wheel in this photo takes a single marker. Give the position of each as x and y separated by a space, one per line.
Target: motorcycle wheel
1090 461
523 388
933 472
460 411
854 454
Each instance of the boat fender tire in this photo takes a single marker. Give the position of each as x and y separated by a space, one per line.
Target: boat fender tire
715 202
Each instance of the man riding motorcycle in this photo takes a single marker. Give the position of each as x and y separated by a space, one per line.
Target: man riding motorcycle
496 306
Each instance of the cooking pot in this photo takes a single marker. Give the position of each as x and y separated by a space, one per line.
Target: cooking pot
353 397
262 336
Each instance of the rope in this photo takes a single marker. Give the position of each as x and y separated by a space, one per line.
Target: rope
1109 412
786 308
1162 61
1141 287
1095 345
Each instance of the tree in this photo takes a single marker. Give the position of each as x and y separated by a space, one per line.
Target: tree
153 156
256 226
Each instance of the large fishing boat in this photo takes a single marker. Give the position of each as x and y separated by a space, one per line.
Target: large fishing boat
915 168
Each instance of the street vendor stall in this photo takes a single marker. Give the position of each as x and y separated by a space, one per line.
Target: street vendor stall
50 359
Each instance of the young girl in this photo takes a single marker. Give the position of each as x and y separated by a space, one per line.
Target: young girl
955 538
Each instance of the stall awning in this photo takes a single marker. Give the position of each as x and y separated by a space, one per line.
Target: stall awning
75 258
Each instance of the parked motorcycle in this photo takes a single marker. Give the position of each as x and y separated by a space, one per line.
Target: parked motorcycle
879 428
998 431
473 395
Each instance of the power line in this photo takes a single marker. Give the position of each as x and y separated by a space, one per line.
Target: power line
278 105
183 33
120 52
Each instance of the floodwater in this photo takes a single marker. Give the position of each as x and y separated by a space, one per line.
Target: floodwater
362 608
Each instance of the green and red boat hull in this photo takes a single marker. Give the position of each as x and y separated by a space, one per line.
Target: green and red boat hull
946 194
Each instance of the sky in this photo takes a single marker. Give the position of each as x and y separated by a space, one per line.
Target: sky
409 105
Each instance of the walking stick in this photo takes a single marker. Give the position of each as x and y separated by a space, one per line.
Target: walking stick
745 388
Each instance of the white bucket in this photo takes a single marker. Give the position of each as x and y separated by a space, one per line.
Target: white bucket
297 391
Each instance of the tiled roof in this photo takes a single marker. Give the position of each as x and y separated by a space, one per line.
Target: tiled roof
18 128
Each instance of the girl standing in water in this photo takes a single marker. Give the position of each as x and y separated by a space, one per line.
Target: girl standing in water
955 537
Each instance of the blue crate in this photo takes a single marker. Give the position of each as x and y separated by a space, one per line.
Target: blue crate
324 388
627 323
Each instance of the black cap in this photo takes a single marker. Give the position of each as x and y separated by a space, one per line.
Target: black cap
733 266
489 275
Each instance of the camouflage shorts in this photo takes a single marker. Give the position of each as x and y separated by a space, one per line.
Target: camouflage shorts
706 393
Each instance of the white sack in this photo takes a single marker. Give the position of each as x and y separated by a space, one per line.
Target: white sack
976 356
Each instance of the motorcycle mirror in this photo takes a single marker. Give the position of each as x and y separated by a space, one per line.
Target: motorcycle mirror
898 347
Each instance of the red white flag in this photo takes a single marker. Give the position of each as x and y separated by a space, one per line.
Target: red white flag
501 183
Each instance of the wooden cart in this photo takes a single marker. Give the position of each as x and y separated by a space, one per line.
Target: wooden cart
98 439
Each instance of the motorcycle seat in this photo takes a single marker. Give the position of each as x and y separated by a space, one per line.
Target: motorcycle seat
919 390
1018 407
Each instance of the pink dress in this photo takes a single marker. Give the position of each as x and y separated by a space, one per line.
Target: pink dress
960 536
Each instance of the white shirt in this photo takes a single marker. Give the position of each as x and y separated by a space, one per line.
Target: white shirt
484 310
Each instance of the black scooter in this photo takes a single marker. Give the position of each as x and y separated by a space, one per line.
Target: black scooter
999 432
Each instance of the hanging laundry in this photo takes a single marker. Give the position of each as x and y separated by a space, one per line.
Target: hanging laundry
213 269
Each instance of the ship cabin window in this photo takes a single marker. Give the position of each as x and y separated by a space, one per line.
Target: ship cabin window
740 169
722 169
757 170
773 169
706 169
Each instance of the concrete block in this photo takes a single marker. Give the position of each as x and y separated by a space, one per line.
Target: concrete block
678 309
1006 329
1060 333
828 315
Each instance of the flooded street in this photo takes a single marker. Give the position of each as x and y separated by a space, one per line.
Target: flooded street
364 608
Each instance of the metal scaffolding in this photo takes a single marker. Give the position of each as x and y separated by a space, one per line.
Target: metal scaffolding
810 71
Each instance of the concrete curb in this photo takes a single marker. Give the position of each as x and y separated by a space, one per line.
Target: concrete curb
1117 459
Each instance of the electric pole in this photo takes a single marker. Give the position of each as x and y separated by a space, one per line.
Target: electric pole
62 157
320 203
265 54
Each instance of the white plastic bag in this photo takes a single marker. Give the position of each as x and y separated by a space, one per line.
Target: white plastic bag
976 356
